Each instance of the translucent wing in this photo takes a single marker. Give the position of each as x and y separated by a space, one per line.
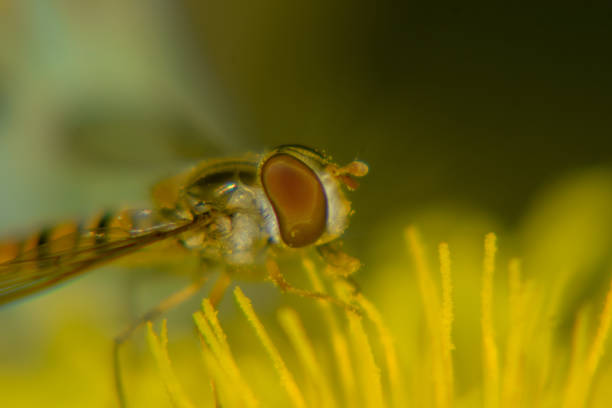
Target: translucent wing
53 256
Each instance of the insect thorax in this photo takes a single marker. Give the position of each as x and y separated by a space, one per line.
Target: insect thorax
230 192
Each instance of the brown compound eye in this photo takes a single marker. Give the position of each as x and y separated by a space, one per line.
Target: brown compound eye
298 199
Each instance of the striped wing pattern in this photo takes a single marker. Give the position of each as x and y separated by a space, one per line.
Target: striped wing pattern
66 250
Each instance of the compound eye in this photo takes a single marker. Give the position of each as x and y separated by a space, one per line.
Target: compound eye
298 199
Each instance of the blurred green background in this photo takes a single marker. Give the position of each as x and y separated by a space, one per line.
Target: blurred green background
471 120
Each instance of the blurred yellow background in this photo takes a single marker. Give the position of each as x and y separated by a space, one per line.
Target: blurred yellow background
471 120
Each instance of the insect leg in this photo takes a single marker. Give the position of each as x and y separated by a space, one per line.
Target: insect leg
221 285
166 304
279 280
333 255
340 265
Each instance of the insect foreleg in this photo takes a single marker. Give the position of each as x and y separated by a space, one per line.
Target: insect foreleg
279 280
342 263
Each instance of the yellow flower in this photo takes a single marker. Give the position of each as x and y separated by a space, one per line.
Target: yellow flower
356 362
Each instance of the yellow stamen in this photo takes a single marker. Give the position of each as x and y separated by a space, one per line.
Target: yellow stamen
216 341
575 386
339 341
290 322
431 305
597 348
286 378
517 307
490 358
447 316
370 373
159 347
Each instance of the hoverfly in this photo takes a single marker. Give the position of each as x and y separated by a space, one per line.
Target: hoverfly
233 211
237 212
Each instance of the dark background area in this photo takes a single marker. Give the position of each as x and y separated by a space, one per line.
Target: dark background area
483 105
